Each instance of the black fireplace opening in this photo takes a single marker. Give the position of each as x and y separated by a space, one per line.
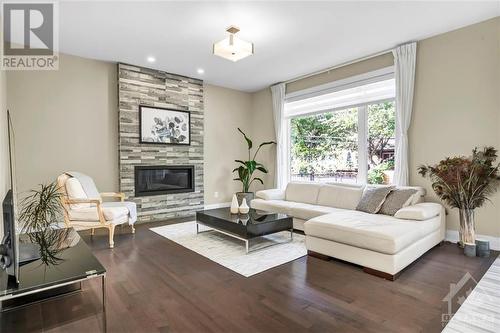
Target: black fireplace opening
164 179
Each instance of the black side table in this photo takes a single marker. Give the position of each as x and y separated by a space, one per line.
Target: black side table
65 259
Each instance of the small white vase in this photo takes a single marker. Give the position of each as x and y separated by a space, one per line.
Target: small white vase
234 205
244 209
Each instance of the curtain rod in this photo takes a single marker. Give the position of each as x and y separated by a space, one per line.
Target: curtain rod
339 65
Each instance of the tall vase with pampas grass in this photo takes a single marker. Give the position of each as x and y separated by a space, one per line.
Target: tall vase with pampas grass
466 183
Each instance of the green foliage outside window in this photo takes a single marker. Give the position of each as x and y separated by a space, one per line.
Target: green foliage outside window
328 142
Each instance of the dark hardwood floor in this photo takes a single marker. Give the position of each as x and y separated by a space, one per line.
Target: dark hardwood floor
155 285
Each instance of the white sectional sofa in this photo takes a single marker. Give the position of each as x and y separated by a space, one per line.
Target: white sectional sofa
382 244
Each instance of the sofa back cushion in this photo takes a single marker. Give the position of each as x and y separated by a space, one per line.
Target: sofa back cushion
302 192
339 196
397 199
373 198
418 197
75 191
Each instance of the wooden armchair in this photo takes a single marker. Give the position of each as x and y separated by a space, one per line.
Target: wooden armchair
83 213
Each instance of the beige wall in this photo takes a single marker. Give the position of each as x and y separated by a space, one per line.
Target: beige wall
225 111
4 149
340 73
65 120
263 130
457 105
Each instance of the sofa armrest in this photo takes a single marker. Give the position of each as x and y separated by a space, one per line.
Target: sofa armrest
117 195
80 201
97 203
272 194
420 212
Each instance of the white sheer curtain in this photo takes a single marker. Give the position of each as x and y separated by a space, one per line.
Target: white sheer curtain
278 94
404 72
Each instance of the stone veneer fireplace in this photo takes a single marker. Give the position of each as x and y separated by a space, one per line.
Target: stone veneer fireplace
144 86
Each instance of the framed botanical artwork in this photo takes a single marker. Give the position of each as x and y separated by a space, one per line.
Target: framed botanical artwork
164 126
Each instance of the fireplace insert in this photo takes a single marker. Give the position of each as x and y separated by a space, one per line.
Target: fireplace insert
163 179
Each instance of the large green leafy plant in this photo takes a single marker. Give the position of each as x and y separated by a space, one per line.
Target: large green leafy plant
247 168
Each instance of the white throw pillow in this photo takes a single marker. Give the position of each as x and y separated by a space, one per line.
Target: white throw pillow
420 212
75 191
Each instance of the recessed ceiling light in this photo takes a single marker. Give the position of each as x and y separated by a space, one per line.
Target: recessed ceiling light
233 48
151 59
200 71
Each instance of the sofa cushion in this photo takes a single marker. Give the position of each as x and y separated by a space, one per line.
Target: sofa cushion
380 233
273 206
422 211
307 211
338 196
272 194
373 198
90 213
302 192
397 199
75 191
297 210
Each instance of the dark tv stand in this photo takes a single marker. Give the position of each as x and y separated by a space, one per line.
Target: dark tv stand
40 279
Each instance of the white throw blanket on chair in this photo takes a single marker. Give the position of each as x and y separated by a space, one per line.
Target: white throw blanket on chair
90 189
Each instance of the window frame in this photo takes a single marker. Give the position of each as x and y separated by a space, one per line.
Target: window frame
362 110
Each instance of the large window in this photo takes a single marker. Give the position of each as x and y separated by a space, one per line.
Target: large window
346 135
380 142
324 147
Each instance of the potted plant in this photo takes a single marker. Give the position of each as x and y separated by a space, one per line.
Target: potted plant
41 209
247 168
465 183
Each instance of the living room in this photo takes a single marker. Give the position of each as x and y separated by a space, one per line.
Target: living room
236 166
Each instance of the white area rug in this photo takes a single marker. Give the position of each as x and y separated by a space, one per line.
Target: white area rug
230 252
480 313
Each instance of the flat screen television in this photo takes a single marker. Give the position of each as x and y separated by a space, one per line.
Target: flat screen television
12 254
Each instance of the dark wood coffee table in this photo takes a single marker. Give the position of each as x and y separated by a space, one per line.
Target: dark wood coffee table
244 227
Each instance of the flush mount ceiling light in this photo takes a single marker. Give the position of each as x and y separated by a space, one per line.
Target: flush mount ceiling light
151 59
233 48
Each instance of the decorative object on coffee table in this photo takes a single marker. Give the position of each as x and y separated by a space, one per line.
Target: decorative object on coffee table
234 205
244 207
164 126
247 168
465 183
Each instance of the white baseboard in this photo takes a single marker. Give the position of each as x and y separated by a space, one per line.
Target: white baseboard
452 236
218 205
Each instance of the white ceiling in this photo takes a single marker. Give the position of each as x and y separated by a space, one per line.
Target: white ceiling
291 38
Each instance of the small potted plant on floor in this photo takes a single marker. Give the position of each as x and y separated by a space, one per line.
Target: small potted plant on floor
247 168
465 183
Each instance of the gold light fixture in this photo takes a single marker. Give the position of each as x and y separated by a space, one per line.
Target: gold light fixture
233 48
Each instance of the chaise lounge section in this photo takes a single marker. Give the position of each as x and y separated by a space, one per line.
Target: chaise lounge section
384 245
